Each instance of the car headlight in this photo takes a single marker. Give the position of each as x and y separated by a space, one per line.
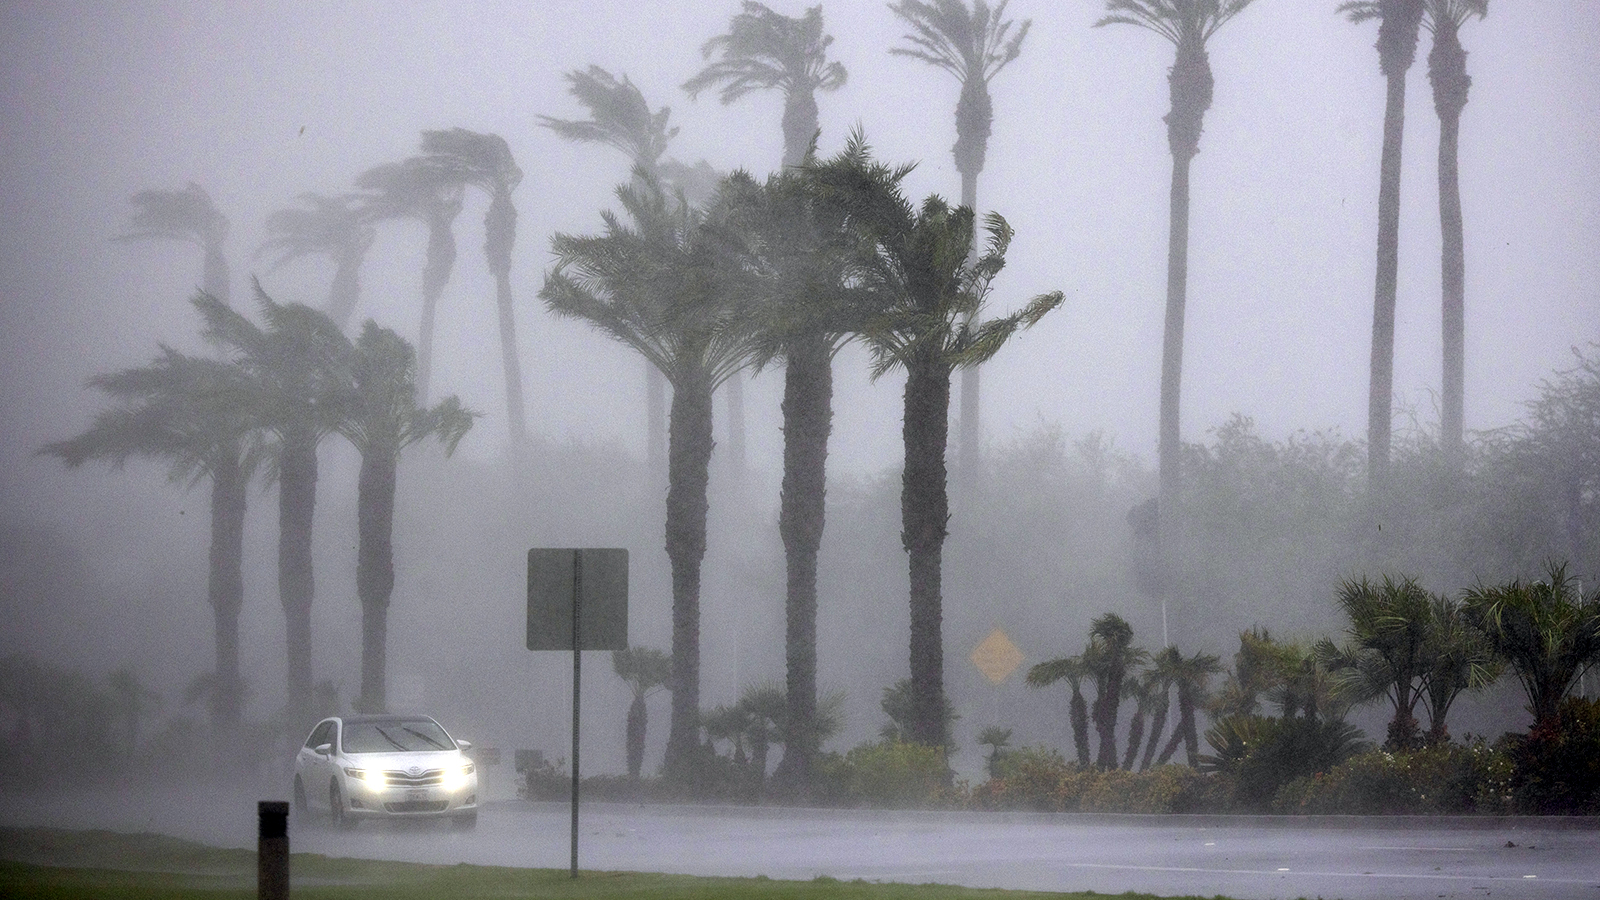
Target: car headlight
455 778
372 778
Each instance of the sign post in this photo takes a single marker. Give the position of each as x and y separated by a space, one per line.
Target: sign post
577 600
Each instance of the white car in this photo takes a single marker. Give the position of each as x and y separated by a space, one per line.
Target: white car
385 767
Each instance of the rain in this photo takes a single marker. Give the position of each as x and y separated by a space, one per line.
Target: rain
272 112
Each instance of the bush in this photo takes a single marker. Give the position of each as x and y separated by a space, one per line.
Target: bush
1558 764
1038 778
889 774
1448 779
1261 754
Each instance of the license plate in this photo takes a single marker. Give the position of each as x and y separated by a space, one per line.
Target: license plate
416 795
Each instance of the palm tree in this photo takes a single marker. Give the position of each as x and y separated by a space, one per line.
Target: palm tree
799 250
1389 654
484 161
1547 631
765 708
187 215
1159 679
418 188
762 51
928 295
189 412
335 227
973 44
296 377
765 51
1398 24
1073 670
1110 657
619 117
663 287
1188 24
646 670
1447 70
1192 678
382 419
1460 661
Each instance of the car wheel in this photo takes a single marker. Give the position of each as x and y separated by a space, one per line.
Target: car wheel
465 821
336 811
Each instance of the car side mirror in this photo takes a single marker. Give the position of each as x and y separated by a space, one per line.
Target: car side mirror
324 749
464 745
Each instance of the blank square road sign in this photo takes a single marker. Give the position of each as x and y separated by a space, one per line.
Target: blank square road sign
603 608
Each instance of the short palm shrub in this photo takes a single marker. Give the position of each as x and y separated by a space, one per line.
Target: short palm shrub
1260 754
1449 779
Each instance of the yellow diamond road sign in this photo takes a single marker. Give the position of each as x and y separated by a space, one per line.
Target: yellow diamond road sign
996 657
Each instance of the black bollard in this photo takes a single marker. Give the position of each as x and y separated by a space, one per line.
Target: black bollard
272 854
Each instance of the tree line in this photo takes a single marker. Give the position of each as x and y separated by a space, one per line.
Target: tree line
708 275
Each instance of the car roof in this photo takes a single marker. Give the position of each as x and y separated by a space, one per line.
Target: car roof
389 717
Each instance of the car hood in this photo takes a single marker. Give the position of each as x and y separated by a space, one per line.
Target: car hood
429 759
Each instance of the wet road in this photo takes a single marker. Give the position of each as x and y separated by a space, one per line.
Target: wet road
1235 856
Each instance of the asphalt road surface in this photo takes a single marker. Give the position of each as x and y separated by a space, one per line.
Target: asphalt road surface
1241 857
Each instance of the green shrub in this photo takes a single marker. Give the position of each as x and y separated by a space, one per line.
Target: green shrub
1038 778
893 774
1448 779
1262 754
1558 764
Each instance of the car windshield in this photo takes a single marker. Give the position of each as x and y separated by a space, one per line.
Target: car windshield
411 735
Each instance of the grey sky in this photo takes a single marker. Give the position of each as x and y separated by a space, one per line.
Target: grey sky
258 103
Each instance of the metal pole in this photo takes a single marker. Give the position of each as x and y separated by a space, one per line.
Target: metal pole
272 850
577 671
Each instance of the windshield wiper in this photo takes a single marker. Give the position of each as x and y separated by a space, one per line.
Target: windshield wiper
425 737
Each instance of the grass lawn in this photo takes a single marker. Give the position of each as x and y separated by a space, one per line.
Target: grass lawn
102 865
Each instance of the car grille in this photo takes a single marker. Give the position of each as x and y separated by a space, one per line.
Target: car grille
416 806
403 779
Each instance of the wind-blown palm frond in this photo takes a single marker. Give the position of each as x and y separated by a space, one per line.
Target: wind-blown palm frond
764 50
619 117
186 215
1181 21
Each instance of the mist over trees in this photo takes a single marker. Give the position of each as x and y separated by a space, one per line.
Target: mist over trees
715 280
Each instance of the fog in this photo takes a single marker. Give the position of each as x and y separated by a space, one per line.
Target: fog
259 103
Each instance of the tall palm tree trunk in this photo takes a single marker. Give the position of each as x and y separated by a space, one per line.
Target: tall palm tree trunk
1447 70
435 275
500 224
924 512
226 583
1380 396
689 461
1190 85
807 423
375 573
297 500
1170 447
1397 43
